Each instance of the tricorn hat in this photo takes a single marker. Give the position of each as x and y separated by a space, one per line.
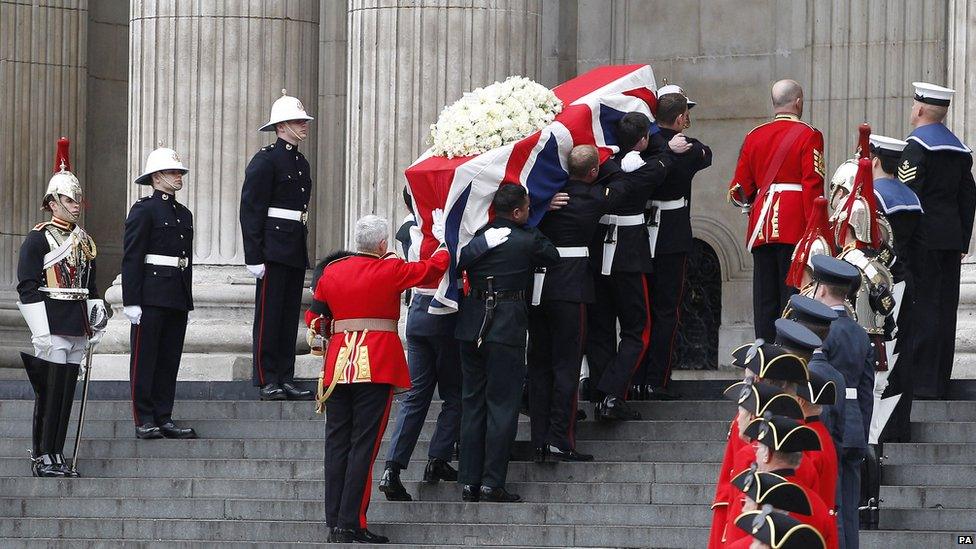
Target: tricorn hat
772 489
759 398
779 530
770 361
782 434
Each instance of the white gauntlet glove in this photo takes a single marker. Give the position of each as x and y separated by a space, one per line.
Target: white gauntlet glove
437 228
257 271
133 313
497 236
631 161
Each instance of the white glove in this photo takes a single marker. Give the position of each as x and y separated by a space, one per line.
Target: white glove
496 236
631 161
679 144
133 313
437 228
257 271
96 337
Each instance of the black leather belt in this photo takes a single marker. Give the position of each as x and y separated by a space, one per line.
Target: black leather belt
500 295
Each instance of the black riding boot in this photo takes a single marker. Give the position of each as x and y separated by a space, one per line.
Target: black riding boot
870 488
45 462
68 381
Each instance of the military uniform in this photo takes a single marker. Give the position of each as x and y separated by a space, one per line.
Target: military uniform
620 250
779 173
492 325
780 530
557 324
274 224
670 240
938 167
356 302
59 301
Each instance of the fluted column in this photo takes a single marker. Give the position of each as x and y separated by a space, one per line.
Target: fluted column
43 77
330 170
962 120
203 76
409 59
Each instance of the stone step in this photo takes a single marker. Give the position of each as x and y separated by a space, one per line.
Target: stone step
606 471
929 497
442 513
962 521
75 543
929 475
940 453
944 431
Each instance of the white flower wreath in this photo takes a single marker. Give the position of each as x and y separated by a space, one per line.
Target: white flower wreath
495 115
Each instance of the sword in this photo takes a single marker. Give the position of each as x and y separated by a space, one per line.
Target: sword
81 410
489 310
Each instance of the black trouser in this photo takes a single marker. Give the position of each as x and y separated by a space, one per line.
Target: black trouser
936 276
434 361
770 294
557 331
850 492
667 288
355 419
491 389
623 297
156 347
278 301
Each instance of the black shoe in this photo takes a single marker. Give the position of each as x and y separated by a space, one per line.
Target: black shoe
45 466
498 495
636 392
341 535
540 454
580 414
391 486
355 535
470 492
569 455
613 408
660 393
148 431
438 469
65 468
294 393
273 391
170 430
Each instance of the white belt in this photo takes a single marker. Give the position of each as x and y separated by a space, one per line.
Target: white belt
293 215
167 261
767 200
622 220
573 251
851 393
655 225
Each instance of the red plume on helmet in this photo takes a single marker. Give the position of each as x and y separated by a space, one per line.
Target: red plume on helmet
818 226
863 189
61 156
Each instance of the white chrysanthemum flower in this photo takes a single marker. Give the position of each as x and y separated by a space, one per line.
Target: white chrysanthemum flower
493 116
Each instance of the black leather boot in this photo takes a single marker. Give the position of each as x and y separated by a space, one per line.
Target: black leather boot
498 495
438 469
470 492
613 408
37 374
391 486
870 488
68 380
272 391
45 464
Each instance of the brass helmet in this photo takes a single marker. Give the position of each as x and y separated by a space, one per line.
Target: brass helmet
63 182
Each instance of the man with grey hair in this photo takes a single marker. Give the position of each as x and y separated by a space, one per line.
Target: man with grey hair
779 174
356 304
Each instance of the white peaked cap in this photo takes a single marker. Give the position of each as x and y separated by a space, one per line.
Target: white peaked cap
285 108
885 143
671 88
159 160
932 94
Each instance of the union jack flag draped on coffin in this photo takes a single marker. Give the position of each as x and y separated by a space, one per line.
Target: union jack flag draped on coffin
463 186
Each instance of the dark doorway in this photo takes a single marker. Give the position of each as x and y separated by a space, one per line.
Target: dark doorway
701 311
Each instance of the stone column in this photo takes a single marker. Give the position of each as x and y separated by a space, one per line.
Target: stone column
330 170
406 61
961 48
202 80
43 78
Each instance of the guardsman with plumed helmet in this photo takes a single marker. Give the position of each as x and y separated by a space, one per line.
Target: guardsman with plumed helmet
274 225
157 293
59 301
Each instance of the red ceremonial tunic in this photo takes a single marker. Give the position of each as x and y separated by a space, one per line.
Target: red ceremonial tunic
821 517
824 462
367 286
780 211
723 488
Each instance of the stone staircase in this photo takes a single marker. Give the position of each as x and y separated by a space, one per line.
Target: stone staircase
255 479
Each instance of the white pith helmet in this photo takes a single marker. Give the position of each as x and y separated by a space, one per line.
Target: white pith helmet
285 108
160 160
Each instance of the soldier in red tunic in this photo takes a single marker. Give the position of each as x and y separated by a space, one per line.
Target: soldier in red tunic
779 174
356 303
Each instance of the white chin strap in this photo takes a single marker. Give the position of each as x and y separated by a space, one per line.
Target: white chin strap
293 132
167 182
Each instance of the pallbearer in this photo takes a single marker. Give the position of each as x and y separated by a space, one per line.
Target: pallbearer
157 293
59 301
274 226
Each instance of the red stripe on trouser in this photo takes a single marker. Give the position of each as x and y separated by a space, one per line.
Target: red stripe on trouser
677 321
571 434
134 373
645 335
376 450
260 363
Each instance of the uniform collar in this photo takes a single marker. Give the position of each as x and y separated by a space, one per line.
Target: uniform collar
784 472
811 419
285 145
62 224
786 116
163 195
503 222
668 132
